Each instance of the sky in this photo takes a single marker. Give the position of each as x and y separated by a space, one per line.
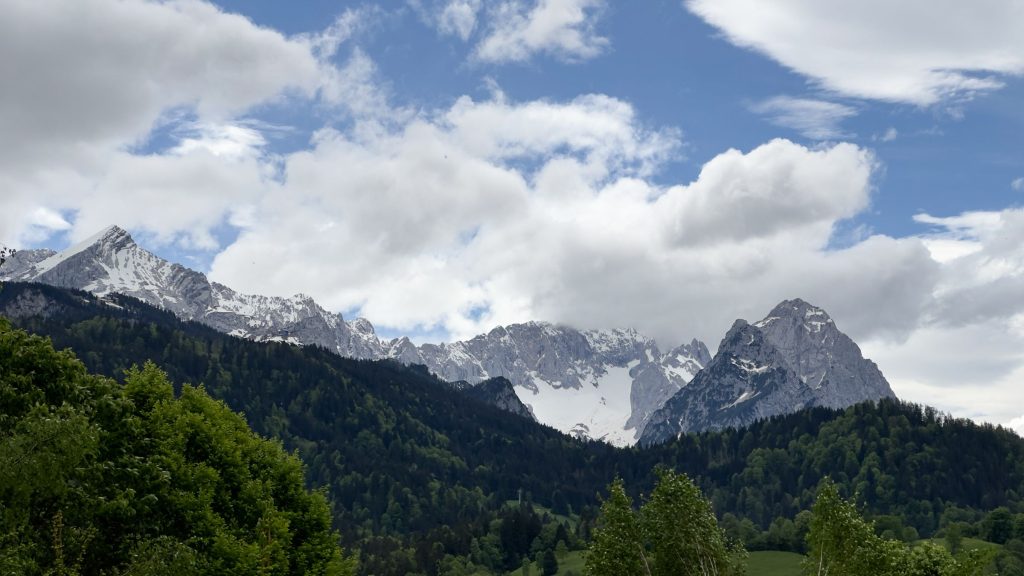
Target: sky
441 167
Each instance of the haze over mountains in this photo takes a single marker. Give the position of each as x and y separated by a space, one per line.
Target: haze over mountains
612 385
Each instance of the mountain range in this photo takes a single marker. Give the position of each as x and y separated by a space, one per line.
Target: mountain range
612 385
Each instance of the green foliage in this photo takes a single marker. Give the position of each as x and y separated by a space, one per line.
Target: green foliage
617 546
841 543
99 478
675 533
548 563
998 525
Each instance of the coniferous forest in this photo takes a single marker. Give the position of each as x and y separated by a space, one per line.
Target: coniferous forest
417 478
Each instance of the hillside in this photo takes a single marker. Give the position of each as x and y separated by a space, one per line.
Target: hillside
417 471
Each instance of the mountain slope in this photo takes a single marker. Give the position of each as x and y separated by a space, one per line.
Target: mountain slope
415 469
794 358
599 384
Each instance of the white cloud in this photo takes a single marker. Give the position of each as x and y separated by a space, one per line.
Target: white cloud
494 212
777 188
967 354
565 29
814 119
1017 425
95 73
88 81
915 51
228 140
458 18
889 135
1018 184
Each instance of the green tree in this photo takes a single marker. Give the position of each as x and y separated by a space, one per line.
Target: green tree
100 478
841 543
676 533
954 537
682 530
548 563
998 525
617 546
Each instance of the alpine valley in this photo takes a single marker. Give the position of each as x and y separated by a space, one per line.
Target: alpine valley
614 385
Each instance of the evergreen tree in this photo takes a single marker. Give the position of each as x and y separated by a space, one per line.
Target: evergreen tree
548 563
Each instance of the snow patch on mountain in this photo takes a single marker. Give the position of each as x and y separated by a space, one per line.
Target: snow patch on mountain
598 410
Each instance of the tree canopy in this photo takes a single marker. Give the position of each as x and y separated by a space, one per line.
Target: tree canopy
97 477
675 533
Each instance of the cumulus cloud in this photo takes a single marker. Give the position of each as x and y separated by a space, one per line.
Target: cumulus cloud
967 354
83 81
493 212
565 29
776 188
95 79
917 51
814 119
1017 184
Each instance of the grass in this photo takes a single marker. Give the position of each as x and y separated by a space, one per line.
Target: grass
571 564
770 563
967 544
761 563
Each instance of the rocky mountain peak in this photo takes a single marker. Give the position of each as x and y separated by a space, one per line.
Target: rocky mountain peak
794 358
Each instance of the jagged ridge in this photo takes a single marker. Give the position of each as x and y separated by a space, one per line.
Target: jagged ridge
601 384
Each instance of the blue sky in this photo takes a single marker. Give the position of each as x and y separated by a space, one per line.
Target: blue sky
444 166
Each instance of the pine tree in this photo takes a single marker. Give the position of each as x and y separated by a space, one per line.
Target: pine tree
548 563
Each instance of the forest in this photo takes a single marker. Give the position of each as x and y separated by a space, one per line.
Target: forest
420 479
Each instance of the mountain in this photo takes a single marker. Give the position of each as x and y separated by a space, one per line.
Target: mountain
793 359
596 384
497 392
111 261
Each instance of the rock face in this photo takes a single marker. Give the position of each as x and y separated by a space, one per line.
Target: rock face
497 392
598 384
793 359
